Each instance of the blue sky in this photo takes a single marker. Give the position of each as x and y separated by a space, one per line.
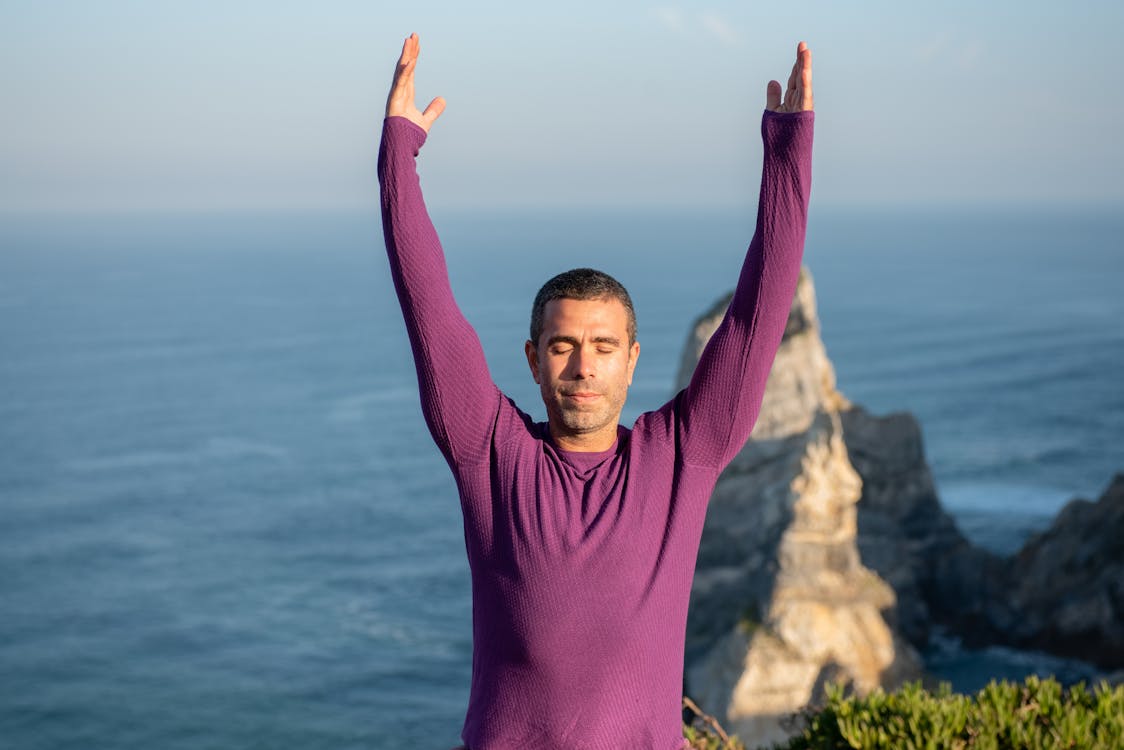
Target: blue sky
139 106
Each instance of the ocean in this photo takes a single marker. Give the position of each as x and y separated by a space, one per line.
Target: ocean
222 521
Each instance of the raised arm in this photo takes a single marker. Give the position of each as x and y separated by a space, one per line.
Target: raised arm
720 405
458 398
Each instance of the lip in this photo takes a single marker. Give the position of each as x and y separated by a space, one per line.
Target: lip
582 396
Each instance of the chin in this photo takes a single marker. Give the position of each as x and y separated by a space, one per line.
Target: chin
583 422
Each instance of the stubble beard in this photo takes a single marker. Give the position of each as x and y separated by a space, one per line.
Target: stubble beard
580 420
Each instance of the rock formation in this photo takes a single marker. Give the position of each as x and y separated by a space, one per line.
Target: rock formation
1067 583
781 602
826 555
905 535
1063 593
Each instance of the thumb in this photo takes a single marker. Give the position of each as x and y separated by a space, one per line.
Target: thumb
433 110
773 96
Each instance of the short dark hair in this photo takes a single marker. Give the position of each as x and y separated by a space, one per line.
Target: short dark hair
583 284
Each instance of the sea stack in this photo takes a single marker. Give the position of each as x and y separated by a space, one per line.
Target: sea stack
782 603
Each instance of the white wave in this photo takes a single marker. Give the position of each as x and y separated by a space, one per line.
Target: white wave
235 447
360 618
218 448
136 460
1003 497
359 407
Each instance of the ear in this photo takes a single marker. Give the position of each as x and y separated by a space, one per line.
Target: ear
633 356
532 353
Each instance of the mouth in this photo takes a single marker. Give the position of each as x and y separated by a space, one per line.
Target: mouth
582 396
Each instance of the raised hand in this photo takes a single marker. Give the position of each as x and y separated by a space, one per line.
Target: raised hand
798 95
400 101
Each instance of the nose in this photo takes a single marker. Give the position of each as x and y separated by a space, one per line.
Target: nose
583 362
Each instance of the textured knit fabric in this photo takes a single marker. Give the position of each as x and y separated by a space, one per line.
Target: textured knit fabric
582 562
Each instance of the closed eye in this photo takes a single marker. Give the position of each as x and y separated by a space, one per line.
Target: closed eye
607 343
561 344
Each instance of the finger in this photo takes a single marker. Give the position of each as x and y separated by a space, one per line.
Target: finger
405 52
401 98
806 72
773 96
402 90
398 95
404 58
792 75
433 110
790 88
399 65
413 47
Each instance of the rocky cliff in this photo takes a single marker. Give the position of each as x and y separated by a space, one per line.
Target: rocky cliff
907 537
782 602
826 555
1067 584
1062 593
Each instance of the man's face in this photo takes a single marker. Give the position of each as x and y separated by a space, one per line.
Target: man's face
583 364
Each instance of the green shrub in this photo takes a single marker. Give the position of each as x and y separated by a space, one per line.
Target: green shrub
1034 715
705 733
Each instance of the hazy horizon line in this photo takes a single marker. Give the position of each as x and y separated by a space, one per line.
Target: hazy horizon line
459 211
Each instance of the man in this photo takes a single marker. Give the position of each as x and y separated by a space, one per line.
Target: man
582 534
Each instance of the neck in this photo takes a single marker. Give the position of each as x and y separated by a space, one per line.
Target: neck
585 442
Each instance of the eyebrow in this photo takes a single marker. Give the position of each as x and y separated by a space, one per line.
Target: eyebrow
613 340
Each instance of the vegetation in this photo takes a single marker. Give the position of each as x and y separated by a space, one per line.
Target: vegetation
1034 715
705 733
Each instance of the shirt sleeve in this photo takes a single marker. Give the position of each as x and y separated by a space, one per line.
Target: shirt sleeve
459 400
721 403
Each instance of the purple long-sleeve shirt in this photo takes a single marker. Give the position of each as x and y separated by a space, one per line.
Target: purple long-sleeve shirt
582 562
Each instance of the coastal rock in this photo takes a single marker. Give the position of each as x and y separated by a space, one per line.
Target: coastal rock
905 535
1063 593
782 603
826 555
1068 582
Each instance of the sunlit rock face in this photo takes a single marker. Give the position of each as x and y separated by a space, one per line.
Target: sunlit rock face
782 603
